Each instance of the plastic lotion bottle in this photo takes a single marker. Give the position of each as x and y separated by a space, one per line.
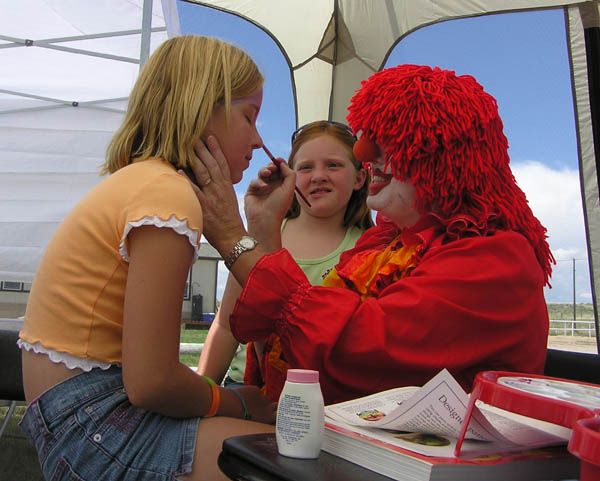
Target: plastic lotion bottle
300 415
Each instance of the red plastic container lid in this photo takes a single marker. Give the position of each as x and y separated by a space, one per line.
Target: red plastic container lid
550 399
585 441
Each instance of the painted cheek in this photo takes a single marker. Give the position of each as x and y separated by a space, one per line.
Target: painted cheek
302 178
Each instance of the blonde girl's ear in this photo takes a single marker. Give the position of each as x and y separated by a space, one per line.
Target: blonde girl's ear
361 177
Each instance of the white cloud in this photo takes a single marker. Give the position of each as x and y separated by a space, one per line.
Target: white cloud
555 198
564 254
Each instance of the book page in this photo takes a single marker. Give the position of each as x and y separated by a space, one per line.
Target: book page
524 430
439 408
366 410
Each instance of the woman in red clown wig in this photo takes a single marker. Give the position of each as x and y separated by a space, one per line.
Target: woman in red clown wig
451 277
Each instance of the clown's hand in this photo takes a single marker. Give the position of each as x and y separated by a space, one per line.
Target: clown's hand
267 200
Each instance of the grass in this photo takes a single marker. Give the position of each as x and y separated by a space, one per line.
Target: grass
18 459
583 312
189 359
565 311
194 336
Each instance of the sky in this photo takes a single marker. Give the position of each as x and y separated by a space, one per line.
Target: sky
520 58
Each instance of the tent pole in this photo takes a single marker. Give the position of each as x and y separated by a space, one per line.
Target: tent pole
592 44
146 30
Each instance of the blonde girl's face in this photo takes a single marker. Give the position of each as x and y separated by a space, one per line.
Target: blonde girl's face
239 138
326 175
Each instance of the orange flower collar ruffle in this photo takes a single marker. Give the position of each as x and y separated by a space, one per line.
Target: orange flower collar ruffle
370 271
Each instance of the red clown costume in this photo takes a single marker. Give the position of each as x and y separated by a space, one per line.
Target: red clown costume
461 289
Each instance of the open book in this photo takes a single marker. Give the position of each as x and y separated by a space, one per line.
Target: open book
410 424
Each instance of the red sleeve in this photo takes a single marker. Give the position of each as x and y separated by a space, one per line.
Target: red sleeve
470 305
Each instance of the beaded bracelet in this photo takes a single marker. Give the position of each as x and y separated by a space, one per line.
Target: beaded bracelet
216 397
247 416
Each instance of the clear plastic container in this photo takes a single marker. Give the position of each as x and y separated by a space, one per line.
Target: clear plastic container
300 415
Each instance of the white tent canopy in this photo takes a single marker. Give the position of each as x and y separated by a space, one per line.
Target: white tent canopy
67 69
51 147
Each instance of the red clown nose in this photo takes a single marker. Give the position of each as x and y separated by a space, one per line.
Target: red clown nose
365 151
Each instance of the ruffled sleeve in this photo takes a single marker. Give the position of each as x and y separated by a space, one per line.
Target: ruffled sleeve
148 206
283 285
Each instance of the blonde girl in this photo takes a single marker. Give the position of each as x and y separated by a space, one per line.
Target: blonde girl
107 395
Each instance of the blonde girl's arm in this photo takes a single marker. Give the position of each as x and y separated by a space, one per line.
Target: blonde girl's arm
154 378
220 345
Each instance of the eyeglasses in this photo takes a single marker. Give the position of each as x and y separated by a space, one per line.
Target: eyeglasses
322 124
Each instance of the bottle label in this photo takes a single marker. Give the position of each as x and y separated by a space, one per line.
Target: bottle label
293 418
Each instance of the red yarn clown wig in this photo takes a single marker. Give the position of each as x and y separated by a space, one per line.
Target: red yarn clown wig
442 133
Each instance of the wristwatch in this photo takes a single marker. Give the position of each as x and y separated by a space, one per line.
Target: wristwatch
246 243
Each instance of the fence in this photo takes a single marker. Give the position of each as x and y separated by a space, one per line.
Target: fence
569 327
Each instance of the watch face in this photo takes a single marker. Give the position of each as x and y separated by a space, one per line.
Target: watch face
247 242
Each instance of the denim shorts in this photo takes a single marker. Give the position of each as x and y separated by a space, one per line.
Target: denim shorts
86 429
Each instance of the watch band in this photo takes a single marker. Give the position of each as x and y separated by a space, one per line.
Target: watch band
246 243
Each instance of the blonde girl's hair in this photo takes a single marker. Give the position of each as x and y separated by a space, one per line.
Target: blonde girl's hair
174 97
357 213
